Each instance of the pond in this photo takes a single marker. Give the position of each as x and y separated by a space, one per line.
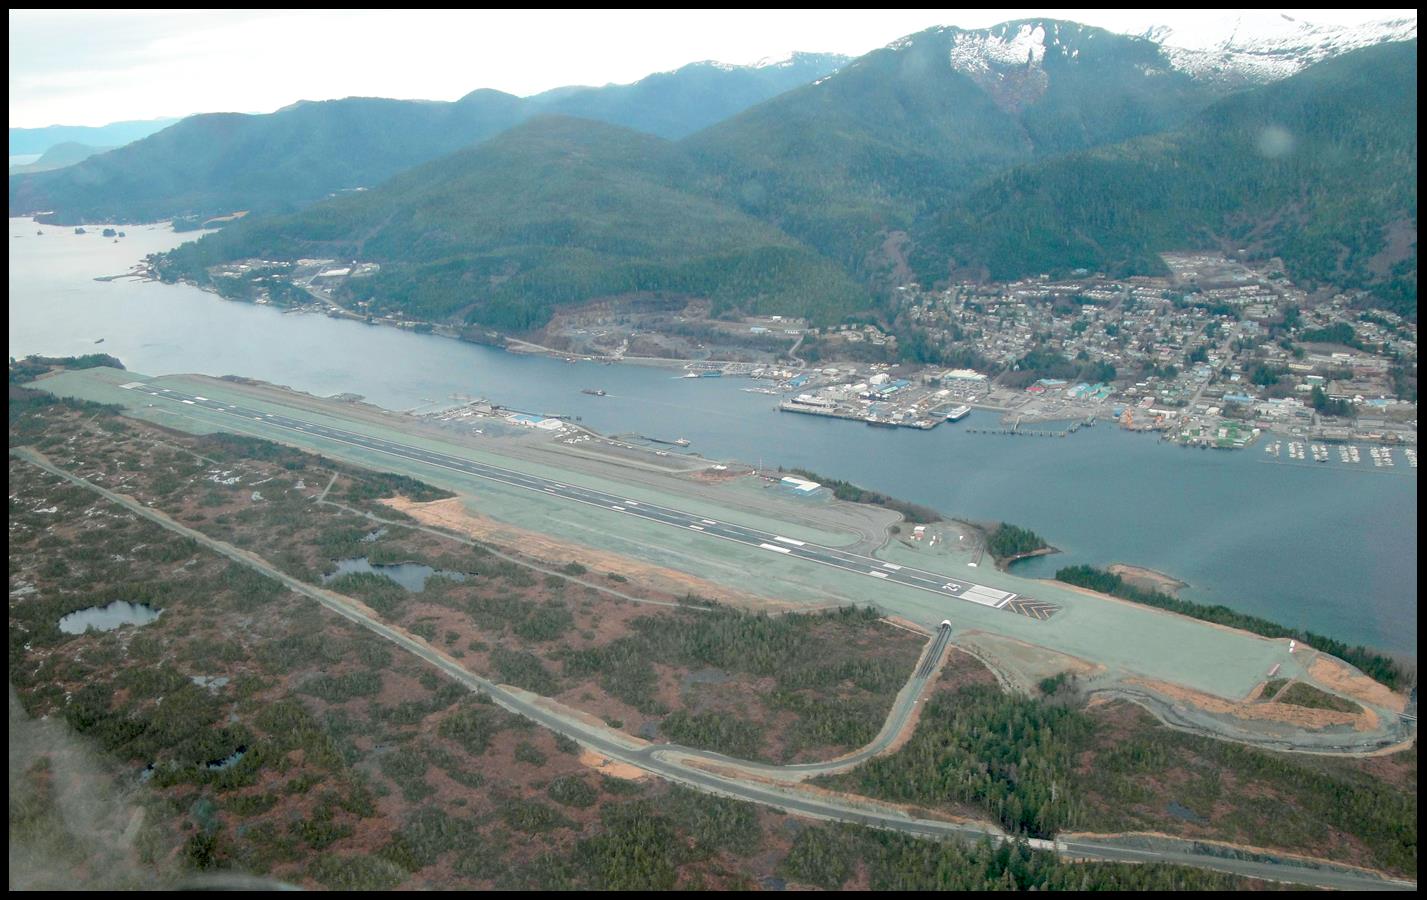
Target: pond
107 618
411 576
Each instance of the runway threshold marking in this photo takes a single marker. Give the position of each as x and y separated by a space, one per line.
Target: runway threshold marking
1033 609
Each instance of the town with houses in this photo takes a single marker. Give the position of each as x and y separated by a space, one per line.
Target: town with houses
1219 354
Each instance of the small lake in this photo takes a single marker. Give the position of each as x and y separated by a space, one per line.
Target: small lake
411 576
107 618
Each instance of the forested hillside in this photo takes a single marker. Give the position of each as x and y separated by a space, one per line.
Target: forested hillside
556 211
676 104
212 164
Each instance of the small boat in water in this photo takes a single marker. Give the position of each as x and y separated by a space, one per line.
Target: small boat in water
593 392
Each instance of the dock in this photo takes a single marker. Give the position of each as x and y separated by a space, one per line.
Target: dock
634 437
1016 429
921 423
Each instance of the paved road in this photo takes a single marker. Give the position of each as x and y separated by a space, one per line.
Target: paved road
1323 877
621 747
903 706
775 544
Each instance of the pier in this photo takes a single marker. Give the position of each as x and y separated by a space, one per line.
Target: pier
921 422
1016 429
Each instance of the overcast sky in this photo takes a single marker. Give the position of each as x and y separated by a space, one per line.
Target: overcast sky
92 68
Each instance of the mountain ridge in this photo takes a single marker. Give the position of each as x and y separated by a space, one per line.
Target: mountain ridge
214 163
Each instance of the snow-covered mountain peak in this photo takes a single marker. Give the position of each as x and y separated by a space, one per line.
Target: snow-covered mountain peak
1262 47
977 51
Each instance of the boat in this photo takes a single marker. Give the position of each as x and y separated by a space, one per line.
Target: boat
100 341
594 392
681 442
958 414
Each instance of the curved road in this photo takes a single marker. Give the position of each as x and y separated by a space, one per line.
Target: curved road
731 778
897 719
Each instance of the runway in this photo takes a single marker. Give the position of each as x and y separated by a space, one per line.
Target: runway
773 544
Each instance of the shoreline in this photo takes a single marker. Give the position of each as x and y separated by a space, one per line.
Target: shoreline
1004 565
1138 576
509 344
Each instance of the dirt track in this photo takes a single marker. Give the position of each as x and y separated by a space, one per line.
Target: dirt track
1337 676
1301 716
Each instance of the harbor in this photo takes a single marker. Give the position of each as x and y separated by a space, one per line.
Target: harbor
881 401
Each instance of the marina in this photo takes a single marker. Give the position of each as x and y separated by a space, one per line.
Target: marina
1347 456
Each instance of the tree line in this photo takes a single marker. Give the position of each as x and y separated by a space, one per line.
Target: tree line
1376 665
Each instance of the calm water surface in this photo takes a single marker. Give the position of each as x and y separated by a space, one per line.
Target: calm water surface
412 576
107 618
1328 547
